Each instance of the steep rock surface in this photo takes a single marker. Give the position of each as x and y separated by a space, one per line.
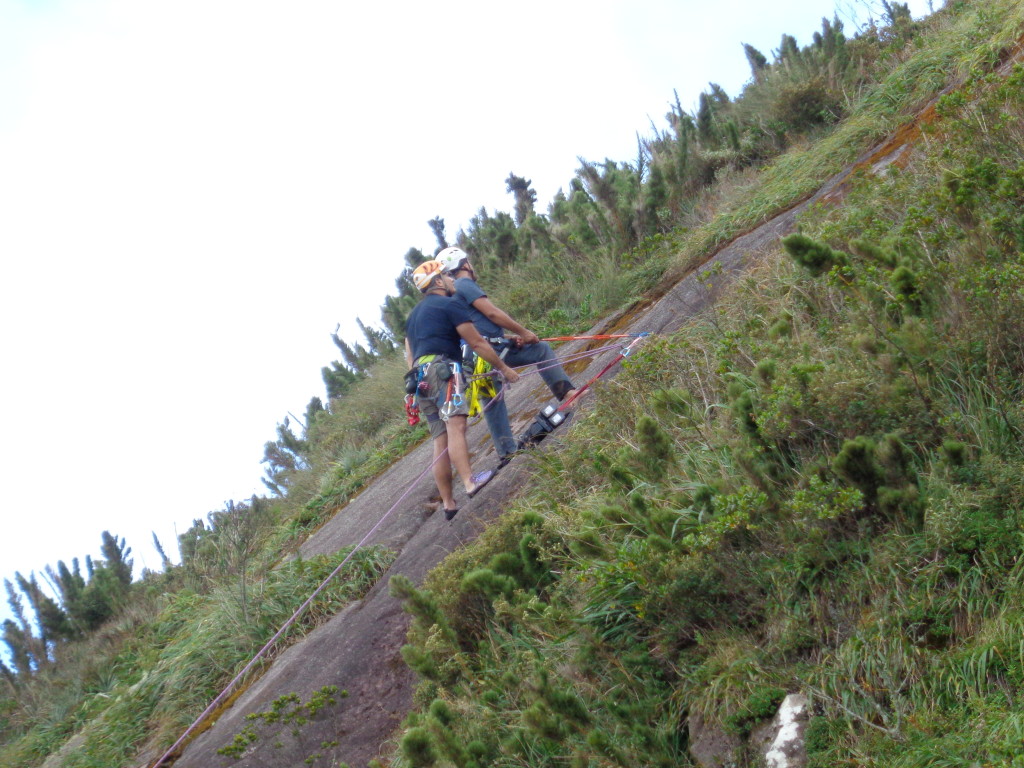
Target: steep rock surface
358 650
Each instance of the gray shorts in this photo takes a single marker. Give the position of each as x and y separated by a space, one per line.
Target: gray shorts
438 392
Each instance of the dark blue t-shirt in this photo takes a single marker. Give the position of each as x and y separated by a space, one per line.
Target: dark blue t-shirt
468 291
430 328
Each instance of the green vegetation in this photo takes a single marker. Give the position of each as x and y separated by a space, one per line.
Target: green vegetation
292 711
816 487
149 672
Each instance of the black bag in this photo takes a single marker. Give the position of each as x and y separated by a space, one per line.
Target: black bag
468 358
411 380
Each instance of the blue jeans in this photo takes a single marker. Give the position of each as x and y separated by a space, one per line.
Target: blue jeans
496 412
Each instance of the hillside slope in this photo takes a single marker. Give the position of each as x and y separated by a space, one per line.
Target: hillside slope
358 650
807 479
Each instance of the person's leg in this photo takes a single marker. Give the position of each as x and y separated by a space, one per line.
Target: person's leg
442 465
496 416
541 355
458 451
443 471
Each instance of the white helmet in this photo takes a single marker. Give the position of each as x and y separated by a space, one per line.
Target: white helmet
451 258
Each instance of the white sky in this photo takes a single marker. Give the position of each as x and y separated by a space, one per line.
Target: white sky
194 193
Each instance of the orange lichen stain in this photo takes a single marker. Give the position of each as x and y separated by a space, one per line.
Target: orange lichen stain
898 145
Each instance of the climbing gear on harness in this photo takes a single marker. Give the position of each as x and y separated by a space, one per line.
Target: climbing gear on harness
422 364
481 381
417 385
452 373
481 386
412 410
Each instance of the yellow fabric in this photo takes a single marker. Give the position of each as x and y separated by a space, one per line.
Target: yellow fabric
481 386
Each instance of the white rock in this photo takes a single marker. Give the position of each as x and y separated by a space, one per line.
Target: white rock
788 743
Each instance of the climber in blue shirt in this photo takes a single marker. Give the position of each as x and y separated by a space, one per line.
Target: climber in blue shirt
523 348
433 333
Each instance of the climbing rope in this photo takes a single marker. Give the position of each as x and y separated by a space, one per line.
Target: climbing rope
626 351
223 695
595 336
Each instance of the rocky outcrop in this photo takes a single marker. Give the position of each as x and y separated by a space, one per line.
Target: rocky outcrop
711 746
788 748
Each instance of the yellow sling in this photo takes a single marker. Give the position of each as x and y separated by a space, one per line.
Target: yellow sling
481 386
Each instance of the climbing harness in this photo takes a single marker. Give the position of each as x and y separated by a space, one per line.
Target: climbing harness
416 386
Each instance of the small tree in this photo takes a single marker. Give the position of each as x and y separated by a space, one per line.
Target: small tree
115 554
757 61
706 121
436 225
165 561
525 197
238 532
288 454
19 645
28 653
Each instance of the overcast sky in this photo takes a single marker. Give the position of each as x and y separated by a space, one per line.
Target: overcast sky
193 194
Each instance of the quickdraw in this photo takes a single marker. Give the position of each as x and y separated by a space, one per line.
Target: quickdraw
453 393
412 410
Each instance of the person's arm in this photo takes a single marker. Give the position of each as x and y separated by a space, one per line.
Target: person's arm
480 345
408 353
500 317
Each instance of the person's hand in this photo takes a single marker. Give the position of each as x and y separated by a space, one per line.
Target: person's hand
510 375
530 338
517 341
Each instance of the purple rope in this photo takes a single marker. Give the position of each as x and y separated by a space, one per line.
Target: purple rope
230 686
